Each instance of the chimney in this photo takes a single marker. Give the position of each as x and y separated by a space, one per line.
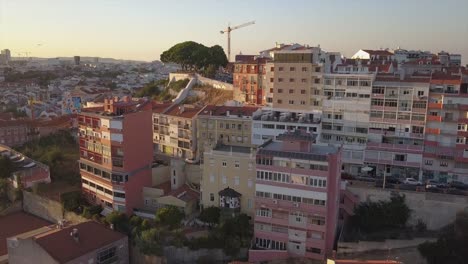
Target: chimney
74 234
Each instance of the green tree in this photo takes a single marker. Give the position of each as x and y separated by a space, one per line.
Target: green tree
382 215
119 221
6 167
194 56
210 215
150 242
451 246
71 201
170 216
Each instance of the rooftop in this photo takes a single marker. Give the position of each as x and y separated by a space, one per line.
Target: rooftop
317 152
297 134
185 111
237 149
378 52
63 248
18 223
221 110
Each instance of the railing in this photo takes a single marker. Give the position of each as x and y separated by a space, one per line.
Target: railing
434 118
393 162
435 106
434 131
394 147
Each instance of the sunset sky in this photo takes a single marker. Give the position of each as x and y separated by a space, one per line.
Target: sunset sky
141 30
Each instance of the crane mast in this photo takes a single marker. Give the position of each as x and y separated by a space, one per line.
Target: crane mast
228 31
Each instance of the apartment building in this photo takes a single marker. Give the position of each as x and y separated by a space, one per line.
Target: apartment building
397 125
174 130
345 117
269 123
297 198
116 153
446 150
14 132
228 125
248 80
228 179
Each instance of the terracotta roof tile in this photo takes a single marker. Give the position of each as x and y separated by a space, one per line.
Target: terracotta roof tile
15 224
215 110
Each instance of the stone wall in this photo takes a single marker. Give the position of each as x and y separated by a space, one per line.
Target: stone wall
185 255
435 209
48 209
42 207
363 246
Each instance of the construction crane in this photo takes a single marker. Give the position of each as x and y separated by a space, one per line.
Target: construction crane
228 31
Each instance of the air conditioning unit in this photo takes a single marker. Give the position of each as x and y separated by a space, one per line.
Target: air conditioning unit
275 201
296 204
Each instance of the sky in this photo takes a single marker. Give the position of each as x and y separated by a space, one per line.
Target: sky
142 30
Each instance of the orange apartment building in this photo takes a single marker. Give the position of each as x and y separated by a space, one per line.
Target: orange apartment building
116 153
248 79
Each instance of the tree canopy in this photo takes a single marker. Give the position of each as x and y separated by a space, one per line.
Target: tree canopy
210 215
195 56
451 245
169 216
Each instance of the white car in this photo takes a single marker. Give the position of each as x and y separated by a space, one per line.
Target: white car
412 181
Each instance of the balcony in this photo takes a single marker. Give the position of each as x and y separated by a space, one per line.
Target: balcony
288 205
462 133
418 110
434 118
433 131
392 162
434 106
395 147
451 106
463 120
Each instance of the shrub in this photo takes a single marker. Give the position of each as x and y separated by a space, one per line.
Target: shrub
71 201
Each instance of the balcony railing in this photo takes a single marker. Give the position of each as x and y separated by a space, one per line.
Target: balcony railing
393 162
434 118
433 131
435 105
394 147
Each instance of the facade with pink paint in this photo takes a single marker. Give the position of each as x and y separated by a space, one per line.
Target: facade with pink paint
297 198
116 153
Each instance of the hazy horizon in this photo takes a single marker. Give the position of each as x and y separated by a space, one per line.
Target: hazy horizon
141 30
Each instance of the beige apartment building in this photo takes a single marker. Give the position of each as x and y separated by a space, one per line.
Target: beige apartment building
295 78
174 130
228 125
228 179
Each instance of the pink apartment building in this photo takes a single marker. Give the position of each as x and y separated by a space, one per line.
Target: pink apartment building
116 153
297 198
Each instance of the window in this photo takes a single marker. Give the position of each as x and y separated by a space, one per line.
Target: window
292 69
304 80
420 93
211 178
316 80
264 212
224 179
224 163
304 69
291 101
211 161
291 80
443 164
291 91
280 68
400 157
236 164
233 126
280 79
280 101
272 69
221 125
462 127
428 162
107 256
303 91
249 183
280 90
211 197
236 180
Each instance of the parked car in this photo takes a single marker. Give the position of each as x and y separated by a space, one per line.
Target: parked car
458 185
412 181
432 184
393 180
